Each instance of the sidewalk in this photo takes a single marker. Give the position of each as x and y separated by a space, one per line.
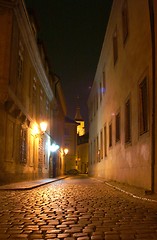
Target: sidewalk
133 191
27 185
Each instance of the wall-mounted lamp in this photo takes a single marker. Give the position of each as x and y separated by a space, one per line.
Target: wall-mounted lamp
43 127
39 131
54 147
66 151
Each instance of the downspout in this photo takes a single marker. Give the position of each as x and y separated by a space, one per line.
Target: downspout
151 12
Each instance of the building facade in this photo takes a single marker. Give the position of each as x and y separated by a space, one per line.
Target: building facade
122 103
27 98
82 153
70 143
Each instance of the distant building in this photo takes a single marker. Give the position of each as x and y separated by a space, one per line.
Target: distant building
80 121
59 113
123 99
82 153
70 143
29 99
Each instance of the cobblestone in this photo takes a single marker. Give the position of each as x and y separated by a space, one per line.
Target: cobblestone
76 208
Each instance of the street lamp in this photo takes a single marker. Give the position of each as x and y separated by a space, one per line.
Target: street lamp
54 147
66 151
39 131
43 127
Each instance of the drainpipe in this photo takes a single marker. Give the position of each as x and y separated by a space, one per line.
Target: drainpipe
151 12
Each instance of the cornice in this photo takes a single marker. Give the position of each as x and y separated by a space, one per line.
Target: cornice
31 45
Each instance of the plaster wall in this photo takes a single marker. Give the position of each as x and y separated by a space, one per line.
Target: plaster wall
129 163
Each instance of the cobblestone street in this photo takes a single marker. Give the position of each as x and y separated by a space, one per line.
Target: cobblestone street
76 208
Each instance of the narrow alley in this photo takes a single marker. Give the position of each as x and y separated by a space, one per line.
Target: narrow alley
79 208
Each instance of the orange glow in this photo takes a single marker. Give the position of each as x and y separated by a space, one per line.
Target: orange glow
35 129
66 151
43 126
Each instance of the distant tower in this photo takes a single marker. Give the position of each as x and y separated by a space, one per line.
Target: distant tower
80 121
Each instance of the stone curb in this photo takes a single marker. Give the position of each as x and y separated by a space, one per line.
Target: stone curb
29 184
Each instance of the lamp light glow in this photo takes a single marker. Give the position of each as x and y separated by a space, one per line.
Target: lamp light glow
54 147
43 126
35 129
66 151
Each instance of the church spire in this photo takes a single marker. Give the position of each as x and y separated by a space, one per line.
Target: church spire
78 116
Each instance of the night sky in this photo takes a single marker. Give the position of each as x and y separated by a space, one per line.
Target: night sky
73 32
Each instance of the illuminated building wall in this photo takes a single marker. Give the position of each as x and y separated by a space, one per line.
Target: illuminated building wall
120 103
70 142
26 97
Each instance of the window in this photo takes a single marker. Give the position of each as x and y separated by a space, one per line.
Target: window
97 149
101 145
41 103
115 47
34 97
47 109
23 146
117 127
127 122
110 135
20 62
91 153
104 82
125 21
95 155
105 142
143 108
100 92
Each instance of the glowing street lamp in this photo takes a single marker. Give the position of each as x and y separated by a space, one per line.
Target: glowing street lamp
43 126
66 151
54 147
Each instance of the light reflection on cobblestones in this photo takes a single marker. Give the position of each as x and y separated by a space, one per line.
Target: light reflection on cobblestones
76 209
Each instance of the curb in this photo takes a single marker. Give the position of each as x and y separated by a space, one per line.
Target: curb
29 185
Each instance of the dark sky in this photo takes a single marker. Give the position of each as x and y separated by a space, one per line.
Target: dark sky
73 32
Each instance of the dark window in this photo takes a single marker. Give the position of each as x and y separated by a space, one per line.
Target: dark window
100 91
20 61
101 145
105 142
97 149
118 127
91 153
125 21
143 101
127 122
110 135
115 46
104 82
